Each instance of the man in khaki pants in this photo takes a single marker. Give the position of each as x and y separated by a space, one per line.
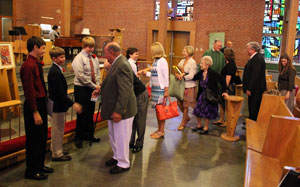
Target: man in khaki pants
61 103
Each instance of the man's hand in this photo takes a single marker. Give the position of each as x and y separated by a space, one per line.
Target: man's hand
225 95
77 107
96 92
287 95
248 93
37 118
116 117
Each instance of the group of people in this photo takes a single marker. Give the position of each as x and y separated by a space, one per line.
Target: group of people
124 98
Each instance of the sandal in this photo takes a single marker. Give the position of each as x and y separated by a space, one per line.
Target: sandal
154 133
181 127
158 135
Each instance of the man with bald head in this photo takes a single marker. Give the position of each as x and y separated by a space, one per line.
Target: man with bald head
217 56
118 106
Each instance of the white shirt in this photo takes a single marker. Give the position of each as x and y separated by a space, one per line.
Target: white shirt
133 65
53 34
82 70
190 69
253 55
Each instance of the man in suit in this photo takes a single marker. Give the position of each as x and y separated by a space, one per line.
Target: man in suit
58 87
118 106
254 79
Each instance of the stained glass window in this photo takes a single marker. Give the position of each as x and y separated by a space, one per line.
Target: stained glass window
184 10
296 55
272 29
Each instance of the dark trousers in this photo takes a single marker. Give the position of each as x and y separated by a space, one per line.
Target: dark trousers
36 137
253 105
139 122
84 121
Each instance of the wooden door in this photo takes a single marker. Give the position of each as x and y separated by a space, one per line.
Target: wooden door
176 40
180 39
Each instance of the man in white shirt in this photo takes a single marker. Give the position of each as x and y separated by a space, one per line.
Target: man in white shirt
86 81
54 33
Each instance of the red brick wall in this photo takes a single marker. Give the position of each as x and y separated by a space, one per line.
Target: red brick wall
242 21
133 16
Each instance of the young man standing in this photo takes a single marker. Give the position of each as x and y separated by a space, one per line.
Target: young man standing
58 87
35 110
86 81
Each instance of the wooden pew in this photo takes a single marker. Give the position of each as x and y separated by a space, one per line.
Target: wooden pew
256 131
280 148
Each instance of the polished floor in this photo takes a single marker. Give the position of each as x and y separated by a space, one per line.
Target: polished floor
182 158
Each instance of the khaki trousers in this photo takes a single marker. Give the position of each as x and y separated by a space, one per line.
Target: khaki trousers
57 134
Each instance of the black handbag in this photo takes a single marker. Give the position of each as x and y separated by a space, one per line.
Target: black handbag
211 96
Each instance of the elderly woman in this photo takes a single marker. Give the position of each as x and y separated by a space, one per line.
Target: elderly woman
286 80
208 87
159 79
189 68
229 72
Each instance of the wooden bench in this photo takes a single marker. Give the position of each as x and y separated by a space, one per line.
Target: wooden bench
281 148
256 131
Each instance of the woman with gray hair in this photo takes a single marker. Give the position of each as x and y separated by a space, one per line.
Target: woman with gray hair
207 89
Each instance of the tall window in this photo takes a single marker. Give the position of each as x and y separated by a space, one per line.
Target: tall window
296 56
184 10
272 30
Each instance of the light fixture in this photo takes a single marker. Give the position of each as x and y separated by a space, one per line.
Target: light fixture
44 17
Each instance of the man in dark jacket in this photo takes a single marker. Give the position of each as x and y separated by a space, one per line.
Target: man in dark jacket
254 79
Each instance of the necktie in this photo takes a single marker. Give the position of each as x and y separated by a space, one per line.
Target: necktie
92 70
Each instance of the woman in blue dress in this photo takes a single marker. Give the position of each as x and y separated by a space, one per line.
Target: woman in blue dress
208 79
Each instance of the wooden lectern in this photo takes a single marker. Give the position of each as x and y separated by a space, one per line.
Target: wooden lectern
233 108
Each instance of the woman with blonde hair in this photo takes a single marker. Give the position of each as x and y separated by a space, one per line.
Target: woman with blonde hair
286 80
208 88
159 81
189 69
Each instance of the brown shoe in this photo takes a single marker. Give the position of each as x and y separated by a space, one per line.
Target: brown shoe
62 158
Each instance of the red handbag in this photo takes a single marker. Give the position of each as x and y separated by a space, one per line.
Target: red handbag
164 112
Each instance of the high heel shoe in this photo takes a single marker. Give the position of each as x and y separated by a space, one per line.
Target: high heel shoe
203 132
195 129
153 133
158 135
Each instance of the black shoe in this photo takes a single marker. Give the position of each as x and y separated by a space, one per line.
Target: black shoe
131 146
36 176
78 143
93 139
203 132
117 170
111 162
46 169
62 158
244 127
195 129
137 149
65 152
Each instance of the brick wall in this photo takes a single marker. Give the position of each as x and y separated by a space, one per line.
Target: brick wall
242 21
133 16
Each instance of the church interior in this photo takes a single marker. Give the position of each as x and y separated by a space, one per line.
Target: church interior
238 152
